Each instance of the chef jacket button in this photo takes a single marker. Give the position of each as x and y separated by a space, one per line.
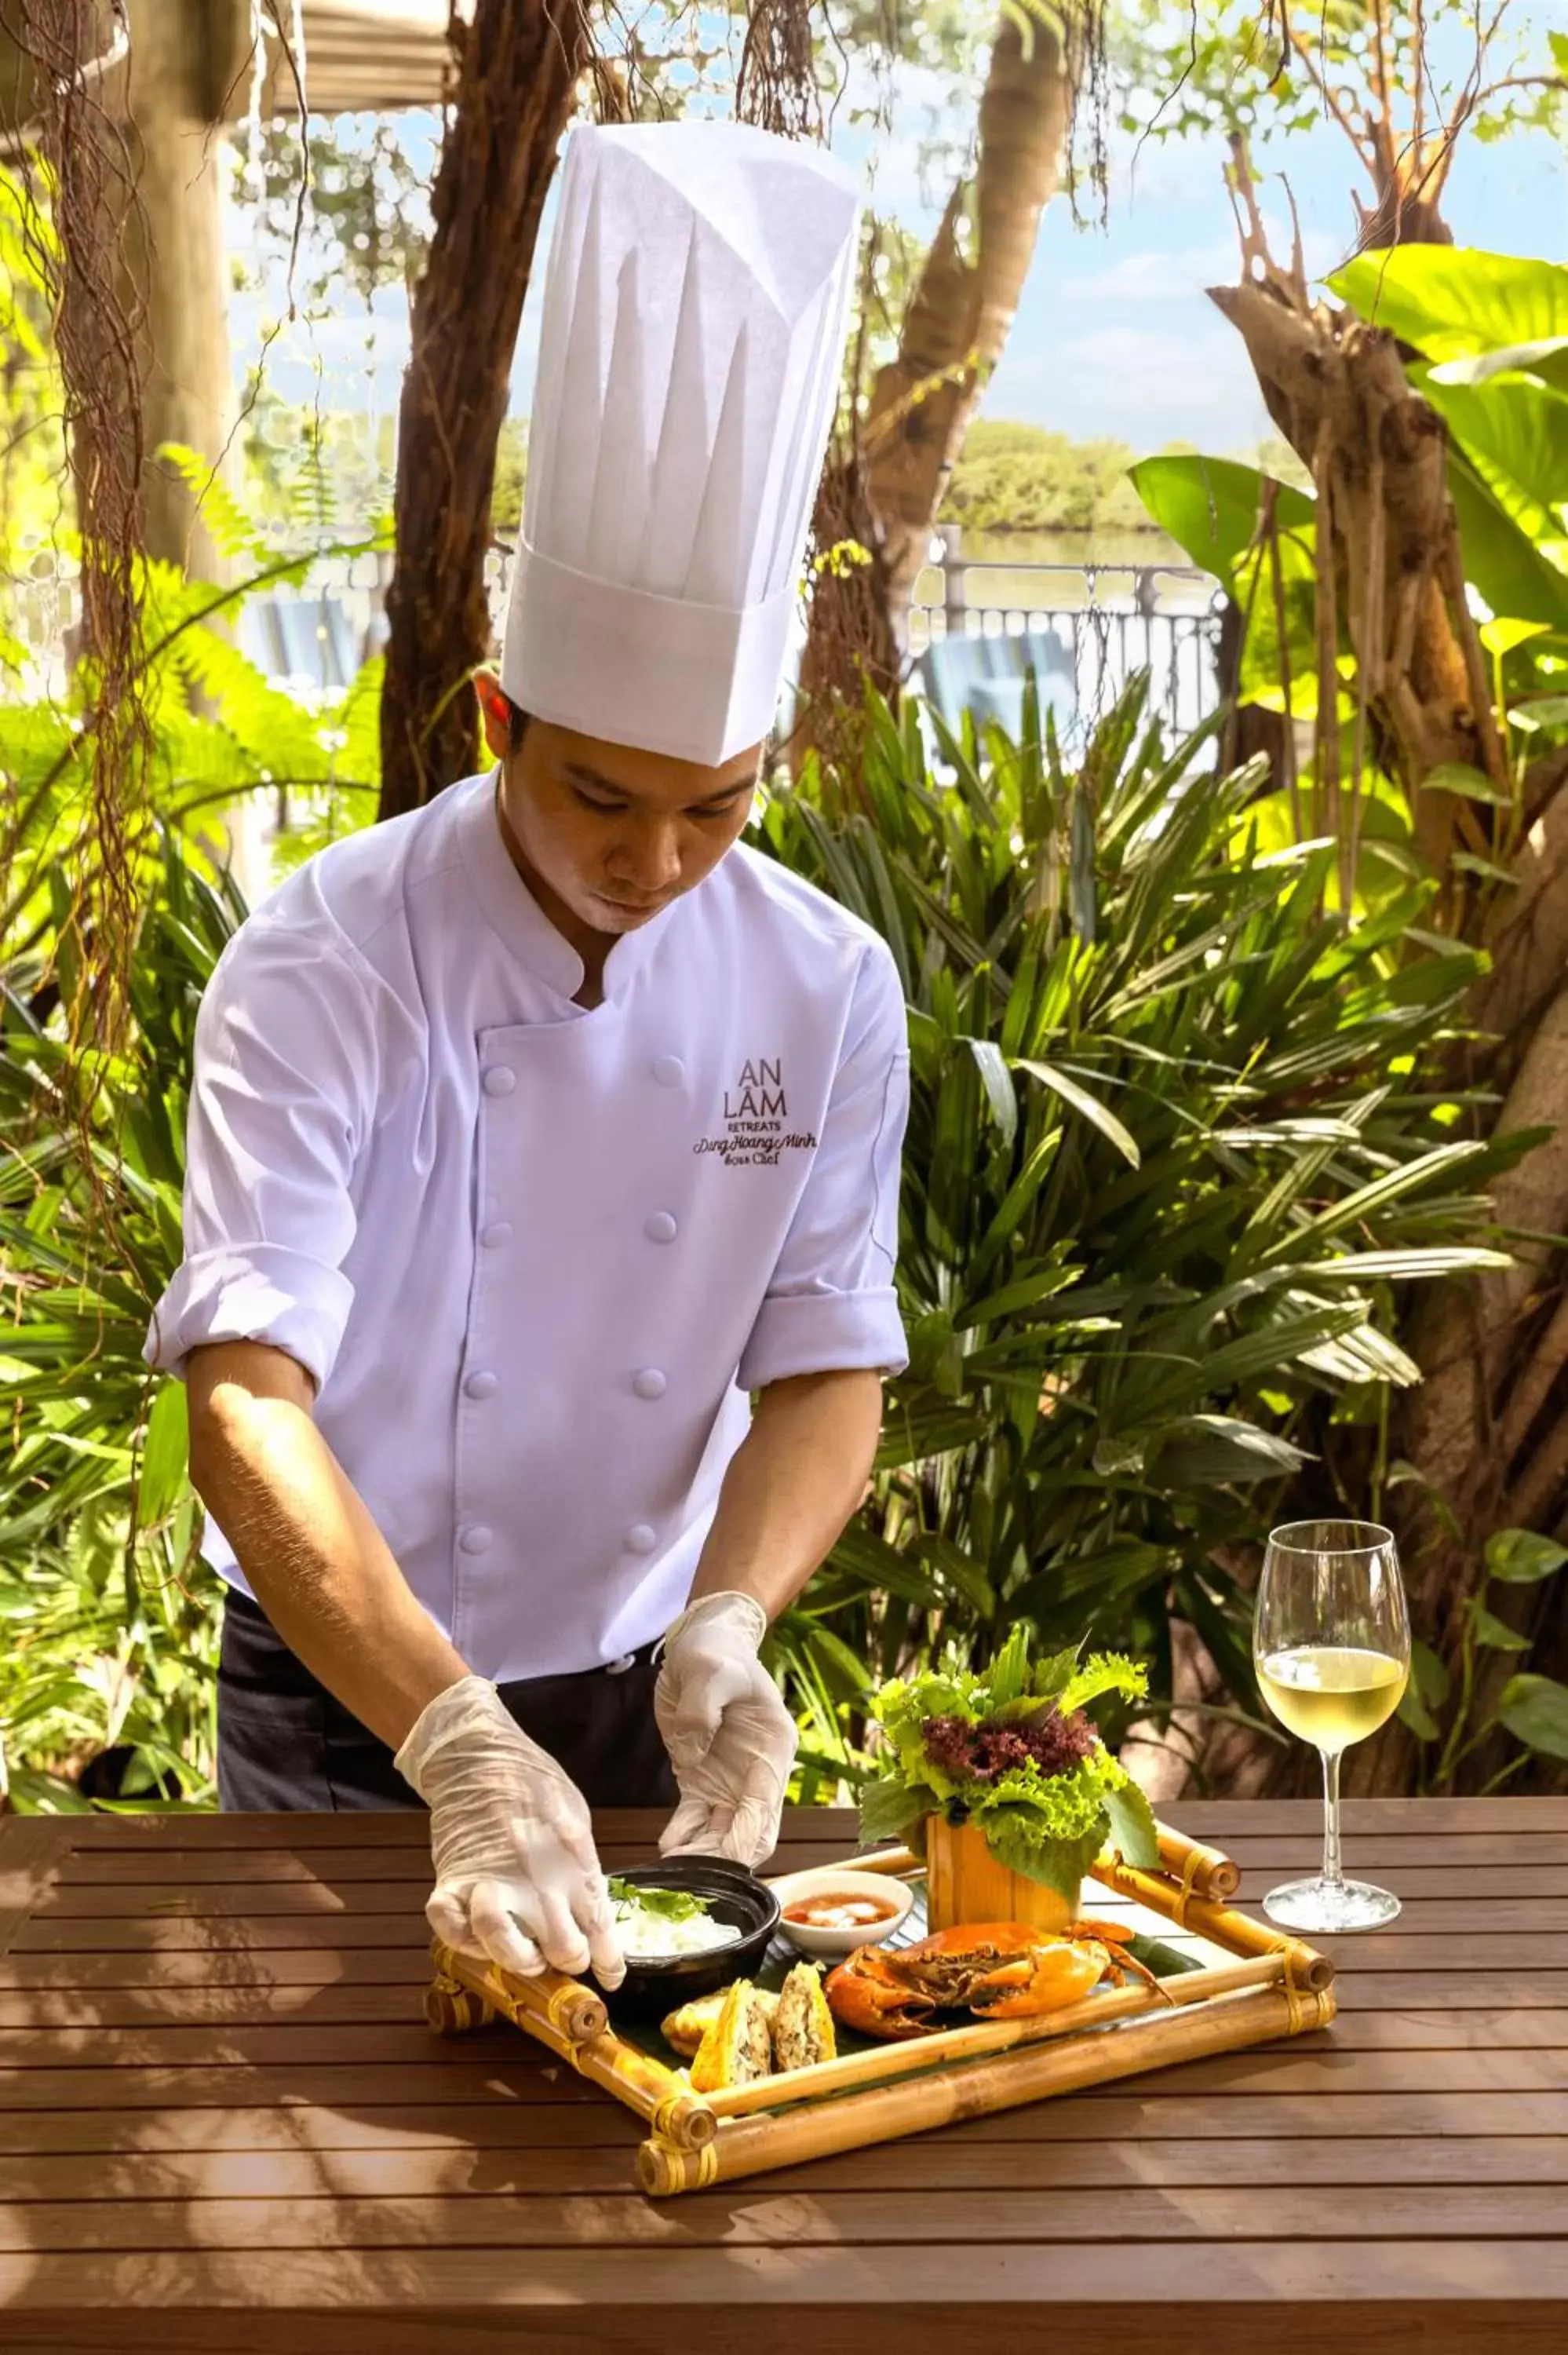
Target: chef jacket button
640 1539
482 1386
499 1080
660 1228
649 1383
476 1538
499 1231
668 1071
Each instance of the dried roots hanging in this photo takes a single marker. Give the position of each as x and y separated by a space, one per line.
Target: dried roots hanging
78 194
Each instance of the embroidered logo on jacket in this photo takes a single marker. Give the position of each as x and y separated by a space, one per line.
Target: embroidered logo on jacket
755 1111
758 1094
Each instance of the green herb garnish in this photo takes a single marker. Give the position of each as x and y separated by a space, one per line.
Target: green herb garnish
1011 1751
668 1904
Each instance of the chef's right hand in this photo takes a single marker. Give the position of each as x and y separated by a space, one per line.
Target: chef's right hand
518 1877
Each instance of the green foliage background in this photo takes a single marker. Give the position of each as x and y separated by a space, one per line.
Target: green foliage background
1171 1161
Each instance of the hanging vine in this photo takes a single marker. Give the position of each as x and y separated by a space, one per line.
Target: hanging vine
79 198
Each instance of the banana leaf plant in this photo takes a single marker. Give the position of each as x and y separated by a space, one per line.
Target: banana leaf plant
1171 1160
1174 1155
109 1616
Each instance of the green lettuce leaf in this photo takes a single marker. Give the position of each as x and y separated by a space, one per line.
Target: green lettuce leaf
1059 1865
1009 1678
1051 1678
1103 1672
1049 1828
1132 1827
889 1809
668 1904
1058 1807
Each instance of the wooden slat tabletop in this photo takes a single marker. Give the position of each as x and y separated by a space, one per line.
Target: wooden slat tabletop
224 2126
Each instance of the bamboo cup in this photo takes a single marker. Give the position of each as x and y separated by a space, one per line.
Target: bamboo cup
748 2147
984 2037
1203 1872
964 1882
1305 1967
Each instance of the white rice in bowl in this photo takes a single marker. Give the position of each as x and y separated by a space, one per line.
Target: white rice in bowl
649 1931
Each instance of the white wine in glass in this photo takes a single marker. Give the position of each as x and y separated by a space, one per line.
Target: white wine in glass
1332 1645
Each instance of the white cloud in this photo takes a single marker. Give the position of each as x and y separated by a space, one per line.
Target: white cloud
1153 277
1185 274
1144 386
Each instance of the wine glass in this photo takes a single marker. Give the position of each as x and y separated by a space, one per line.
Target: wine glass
1331 1644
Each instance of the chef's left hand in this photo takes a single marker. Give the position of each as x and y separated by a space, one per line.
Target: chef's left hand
730 1738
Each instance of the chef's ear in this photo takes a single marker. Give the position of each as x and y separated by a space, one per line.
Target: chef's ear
503 723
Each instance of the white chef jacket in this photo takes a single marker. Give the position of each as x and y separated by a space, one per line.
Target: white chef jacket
535 1255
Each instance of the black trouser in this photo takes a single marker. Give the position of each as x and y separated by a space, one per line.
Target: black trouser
284 1741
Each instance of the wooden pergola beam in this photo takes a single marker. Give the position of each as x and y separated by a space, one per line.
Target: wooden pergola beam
187 81
360 59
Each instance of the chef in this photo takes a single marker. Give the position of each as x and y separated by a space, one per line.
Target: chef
543 1151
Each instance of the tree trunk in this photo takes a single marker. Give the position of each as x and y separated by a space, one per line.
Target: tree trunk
1252 730
91 194
1388 556
954 332
162 223
850 643
1486 1430
184 56
519 62
1409 171
958 321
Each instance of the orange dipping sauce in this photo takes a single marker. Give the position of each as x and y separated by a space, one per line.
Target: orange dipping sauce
830 1910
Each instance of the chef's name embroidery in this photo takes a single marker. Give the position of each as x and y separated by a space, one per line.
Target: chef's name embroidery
755 1112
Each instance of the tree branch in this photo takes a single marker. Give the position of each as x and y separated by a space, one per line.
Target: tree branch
1518 81
1331 97
1464 625
1548 1356
1529 1501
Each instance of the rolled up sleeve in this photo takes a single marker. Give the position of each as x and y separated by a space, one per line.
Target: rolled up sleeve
830 1304
284 1074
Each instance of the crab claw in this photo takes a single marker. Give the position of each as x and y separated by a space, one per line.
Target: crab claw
1057 1974
863 1995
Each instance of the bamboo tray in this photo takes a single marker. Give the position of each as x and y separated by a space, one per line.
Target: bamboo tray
1261 1986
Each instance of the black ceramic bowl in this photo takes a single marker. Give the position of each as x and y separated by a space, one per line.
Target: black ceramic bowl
735 1896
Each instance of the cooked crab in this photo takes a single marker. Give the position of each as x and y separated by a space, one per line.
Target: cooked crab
997 1970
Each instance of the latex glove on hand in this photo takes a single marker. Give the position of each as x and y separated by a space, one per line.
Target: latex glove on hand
730 1738
518 1877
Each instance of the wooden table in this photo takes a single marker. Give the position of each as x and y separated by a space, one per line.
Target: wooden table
224 2126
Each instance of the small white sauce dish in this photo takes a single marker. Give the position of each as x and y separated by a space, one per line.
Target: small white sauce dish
826 1881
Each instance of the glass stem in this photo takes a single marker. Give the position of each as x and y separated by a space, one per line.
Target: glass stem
1332 1874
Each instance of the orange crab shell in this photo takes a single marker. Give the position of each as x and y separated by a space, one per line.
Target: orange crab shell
997 1970
863 1994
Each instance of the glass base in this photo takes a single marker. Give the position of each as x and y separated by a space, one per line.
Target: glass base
1331 1905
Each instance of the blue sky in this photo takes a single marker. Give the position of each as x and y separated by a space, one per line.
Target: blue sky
1115 334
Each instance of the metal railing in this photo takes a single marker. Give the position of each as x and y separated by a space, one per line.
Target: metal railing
1091 624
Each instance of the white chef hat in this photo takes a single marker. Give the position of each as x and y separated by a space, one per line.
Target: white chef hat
693 326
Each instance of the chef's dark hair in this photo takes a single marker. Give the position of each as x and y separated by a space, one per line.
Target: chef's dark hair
517 728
